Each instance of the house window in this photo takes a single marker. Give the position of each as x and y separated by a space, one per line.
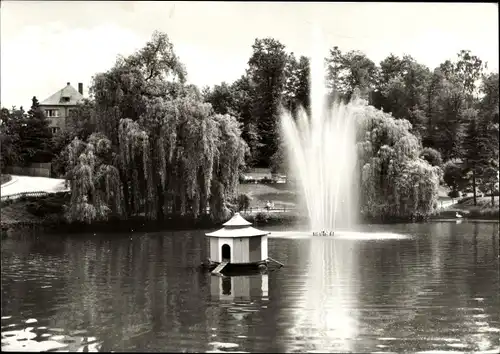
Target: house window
52 113
55 129
65 99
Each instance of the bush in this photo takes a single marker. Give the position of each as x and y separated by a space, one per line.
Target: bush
488 213
267 180
50 204
244 201
5 178
244 180
432 156
453 176
261 218
6 202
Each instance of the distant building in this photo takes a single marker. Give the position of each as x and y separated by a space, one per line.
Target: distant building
58 106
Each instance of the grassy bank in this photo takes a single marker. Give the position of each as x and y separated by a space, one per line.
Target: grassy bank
484 209
469 213
283 195
48 211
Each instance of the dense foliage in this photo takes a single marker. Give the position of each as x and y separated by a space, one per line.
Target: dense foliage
25 137
396 182
160 149
146 143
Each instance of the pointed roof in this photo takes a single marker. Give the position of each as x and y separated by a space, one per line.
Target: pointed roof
237 220
57 98
237 226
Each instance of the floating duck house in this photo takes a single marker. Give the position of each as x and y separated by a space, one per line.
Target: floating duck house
238 245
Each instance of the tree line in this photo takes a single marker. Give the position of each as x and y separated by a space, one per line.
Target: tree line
452 109
146 143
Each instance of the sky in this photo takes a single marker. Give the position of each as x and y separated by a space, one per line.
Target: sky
45 44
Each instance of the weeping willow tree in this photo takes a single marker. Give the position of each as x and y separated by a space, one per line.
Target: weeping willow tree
180 158
174 155
124 90
396 182
95 183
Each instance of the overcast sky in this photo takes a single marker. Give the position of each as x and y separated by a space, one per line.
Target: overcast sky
45 44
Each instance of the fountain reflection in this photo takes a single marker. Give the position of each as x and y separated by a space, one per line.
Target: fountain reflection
326 320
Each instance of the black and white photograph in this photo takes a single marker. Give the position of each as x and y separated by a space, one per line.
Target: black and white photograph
249 177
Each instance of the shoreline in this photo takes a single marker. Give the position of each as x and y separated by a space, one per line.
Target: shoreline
46 214
262 219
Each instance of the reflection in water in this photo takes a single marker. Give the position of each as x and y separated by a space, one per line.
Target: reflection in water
436 290
237 302
241 288
326 321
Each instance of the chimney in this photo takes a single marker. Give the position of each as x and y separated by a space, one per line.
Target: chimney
80 88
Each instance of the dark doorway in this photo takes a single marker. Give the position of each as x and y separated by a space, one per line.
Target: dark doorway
226 252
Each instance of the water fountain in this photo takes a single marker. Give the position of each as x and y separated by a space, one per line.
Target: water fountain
322 154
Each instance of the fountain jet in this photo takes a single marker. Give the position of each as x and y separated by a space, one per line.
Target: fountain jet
322 153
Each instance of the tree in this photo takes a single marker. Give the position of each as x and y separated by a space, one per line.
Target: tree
9 136
450 93
472 150
35 137
402 85
279 159
297 86
244 202
488 113
469 69
80 124
447 116
350 71
489 180
267 76
221 98
432 156
81 121
396 182
173 153
95 183
121 92
244 94
453 176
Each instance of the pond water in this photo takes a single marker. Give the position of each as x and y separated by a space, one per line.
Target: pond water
400 288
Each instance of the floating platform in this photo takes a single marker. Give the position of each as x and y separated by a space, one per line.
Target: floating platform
238 249
227 268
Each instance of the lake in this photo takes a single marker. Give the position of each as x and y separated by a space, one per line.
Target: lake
399 288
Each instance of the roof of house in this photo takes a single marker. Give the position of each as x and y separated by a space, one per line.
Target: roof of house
57 98
237 227
237 220
247 231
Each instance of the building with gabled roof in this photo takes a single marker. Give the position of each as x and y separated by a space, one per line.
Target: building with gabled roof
58 106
